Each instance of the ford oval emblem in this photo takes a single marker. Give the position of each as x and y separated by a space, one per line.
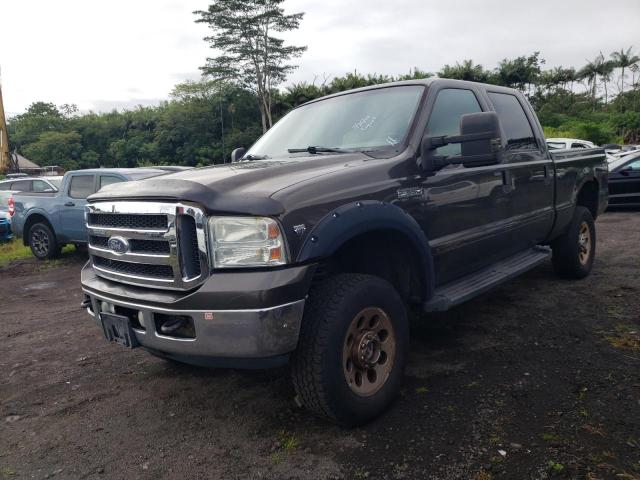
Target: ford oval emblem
118 245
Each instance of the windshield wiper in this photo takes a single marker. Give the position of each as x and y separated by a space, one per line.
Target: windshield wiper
314 149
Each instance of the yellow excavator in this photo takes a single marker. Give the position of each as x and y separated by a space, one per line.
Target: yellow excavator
5 156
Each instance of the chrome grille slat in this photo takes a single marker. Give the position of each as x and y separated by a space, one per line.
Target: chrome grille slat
152 256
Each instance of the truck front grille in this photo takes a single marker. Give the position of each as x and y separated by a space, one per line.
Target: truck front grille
162 245
133 269
138 222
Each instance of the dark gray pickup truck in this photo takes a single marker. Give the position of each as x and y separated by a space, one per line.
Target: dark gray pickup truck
311 247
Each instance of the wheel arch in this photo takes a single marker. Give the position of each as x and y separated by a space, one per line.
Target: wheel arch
32 219
588 196
350 235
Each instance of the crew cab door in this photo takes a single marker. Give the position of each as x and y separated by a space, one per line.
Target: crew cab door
527 171
74 199
464 208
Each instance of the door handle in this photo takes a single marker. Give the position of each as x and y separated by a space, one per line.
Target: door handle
69 204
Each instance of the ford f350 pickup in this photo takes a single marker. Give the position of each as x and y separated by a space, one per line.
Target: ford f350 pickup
311 247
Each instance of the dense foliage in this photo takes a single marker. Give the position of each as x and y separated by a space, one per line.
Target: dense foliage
203 121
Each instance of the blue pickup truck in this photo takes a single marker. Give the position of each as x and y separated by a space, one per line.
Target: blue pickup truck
47 221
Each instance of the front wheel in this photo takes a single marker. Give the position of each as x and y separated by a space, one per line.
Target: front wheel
574 251
352 350
43 242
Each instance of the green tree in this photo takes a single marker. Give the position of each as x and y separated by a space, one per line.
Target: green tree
251 56
624 59
465 71
56 148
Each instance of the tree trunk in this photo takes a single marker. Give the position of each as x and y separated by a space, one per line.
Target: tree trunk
263 116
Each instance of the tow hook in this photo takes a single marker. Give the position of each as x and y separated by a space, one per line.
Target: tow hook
172 325
86 303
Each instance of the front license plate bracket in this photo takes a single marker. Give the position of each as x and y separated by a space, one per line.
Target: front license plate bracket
117 329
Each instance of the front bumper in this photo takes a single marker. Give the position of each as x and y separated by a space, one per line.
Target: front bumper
239 318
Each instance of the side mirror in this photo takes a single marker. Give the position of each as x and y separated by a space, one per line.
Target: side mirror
479 138
49 190
480 135
237 154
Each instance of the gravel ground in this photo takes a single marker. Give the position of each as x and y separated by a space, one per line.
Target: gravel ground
538 379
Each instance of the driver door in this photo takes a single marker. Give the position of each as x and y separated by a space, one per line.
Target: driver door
465 208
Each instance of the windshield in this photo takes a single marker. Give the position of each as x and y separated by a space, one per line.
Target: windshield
366 120
621 161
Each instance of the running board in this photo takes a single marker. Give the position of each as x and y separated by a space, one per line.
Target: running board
479 282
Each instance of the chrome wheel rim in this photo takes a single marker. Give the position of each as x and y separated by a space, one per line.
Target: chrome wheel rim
584 243
369 351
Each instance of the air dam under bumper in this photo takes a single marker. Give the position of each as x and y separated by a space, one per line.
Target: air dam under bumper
257 337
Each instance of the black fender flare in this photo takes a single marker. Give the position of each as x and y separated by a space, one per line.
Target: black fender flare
348 221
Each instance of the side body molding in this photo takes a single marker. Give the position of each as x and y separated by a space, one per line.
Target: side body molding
353 219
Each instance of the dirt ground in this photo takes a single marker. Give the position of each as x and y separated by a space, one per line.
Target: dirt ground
538 379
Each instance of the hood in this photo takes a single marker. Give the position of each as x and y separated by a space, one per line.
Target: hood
244 187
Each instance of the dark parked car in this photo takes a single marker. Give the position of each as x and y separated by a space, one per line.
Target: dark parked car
312 246
624 181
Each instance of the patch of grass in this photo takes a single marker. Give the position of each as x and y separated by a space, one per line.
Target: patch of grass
399 469
556 466
276 457
288 441
422 390
7 472
625 337
361 473
13 250
550 437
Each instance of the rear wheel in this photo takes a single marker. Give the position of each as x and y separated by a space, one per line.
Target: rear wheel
43 242
574 252
352 349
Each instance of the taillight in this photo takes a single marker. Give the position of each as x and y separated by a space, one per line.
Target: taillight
12 207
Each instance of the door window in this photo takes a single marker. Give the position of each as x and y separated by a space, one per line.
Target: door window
108 180
81 186
40 186
635 166
514 122
450 105
21 186
578 145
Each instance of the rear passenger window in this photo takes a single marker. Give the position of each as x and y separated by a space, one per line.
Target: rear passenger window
450 105
81 186
514 122
40 186
108 180
578 145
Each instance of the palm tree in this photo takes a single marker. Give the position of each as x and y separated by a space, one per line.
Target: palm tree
623 59
589 73
604 69
634 69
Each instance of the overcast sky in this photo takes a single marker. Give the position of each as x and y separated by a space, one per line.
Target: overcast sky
116 54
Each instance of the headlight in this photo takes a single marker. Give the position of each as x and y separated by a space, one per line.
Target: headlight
246 242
